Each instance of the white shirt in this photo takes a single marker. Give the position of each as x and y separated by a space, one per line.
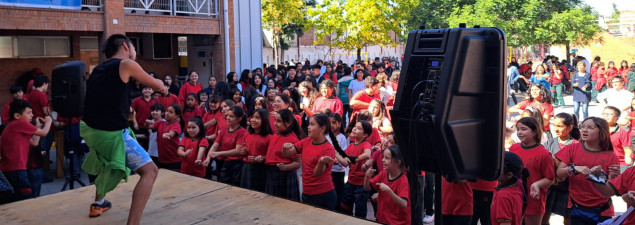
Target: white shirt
153 149
620 99
356 86
341 140
385 92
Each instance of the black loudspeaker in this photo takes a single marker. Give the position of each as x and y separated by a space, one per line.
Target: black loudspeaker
449 110
69 88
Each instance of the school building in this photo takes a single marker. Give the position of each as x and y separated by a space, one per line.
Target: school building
172 37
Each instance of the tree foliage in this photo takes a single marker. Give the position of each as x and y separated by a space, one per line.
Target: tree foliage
520 19
284 18
352 24
576 26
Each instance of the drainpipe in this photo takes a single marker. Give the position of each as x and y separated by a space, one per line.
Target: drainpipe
225 18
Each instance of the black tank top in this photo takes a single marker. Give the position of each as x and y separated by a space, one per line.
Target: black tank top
107 98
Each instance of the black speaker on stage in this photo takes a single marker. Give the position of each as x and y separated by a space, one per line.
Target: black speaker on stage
449 110
68 86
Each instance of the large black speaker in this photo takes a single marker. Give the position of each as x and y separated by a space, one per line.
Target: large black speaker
69 88
449 110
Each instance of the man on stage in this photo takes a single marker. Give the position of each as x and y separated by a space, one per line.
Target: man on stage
104 127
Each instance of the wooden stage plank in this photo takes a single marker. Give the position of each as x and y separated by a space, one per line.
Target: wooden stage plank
176 199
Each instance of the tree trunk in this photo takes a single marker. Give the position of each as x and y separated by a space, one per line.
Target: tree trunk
359 54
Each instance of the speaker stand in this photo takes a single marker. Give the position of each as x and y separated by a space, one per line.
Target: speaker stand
72 177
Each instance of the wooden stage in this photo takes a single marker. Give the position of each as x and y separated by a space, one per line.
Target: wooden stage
176 199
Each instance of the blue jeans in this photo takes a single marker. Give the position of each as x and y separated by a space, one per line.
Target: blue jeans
35 177
355 194
585 109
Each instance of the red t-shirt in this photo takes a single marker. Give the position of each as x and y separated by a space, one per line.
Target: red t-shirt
611 72
228 141
632 126
142 109
166 101
582 190
256 145
545 108
311 154
38 100
484 185
213 129
507 204
274 151
622 185
556 80
539 162
456 199
188 165
187 115
377 156
594 73
624 73
356 174
362 96
333 103
620 139
188 88
167 147
388 211
14 145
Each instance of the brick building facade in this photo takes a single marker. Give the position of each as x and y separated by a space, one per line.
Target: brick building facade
43 38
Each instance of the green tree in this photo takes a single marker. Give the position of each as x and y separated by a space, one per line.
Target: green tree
615 16
577 26
433 13
282 16
518 18
352 24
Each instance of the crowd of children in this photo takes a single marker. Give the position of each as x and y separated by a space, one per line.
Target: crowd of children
322 134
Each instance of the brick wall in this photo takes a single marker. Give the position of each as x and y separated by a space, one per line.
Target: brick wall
50 19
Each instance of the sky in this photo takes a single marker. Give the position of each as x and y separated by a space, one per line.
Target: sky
605 7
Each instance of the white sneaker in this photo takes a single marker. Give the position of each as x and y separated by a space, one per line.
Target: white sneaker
428 219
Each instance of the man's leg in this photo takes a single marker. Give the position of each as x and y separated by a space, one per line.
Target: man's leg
138 160
142 191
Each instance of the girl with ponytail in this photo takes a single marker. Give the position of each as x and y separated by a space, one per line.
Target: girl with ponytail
510 199
318 157
567 132
282 180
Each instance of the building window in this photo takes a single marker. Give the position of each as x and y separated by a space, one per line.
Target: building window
6 47
88 44
35 47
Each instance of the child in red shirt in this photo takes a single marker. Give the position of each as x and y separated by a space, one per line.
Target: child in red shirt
168 132
15 144
623 185
540 165
191 86
359 151
212 118
16 94
510 196
141 106
619 137
594 149
190 109
253 173
228 147
393 200
192 148
282 180
318 156
457 202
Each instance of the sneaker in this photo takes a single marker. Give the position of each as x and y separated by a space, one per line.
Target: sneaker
97 209
428 219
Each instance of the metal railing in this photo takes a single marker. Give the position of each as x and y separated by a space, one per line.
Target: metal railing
173 7
91 5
